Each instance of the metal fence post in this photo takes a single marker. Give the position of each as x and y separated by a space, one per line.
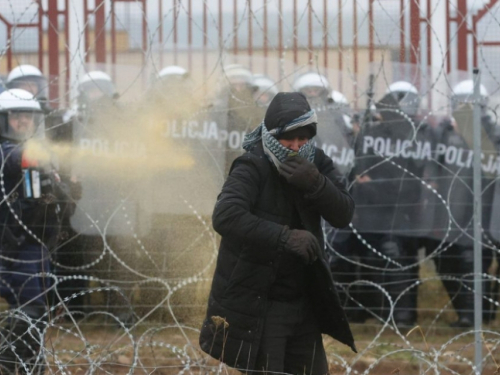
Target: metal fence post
478 292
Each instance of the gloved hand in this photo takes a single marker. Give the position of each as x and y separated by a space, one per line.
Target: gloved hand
301 173
303 244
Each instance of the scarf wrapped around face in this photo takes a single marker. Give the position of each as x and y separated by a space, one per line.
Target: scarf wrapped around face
274 150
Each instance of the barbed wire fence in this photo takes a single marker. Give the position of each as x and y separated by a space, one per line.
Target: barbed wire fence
132 266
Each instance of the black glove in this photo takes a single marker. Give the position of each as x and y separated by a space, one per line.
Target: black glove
302 243
301 173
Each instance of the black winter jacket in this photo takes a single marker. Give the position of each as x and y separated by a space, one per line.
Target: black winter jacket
250 214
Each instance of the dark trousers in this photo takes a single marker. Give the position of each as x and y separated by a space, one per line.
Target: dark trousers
397 284
19 284
22 335
291 342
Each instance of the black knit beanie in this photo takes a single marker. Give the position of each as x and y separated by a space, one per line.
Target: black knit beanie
286 107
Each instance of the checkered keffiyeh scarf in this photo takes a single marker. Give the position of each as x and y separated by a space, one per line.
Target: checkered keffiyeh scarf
273 148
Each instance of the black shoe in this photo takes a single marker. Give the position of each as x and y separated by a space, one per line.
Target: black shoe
462 322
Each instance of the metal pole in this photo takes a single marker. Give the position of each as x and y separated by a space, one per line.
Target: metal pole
76 45
478 292
437 58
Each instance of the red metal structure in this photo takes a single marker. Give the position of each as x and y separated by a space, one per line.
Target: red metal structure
415 31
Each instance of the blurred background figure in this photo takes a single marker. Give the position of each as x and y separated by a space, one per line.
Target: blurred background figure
98 120
171 81
340 102
407 97
239 82
237 97
32 200
58 129
266 90
315 87
31 79
169 96
96 90
387 196
457 259
463 94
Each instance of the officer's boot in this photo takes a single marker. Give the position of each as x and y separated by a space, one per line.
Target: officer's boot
461 291
464 307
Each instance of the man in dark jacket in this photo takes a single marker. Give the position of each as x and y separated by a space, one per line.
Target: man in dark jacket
272 294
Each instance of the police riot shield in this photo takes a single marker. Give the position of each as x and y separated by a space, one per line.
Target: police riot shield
111 162
453 177
391 151
335 137
243 116
202 138
494 228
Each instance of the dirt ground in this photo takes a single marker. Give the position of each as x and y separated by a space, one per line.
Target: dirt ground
174 349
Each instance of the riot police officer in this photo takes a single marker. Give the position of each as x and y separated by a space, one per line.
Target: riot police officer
266 90
340 102
344 261
31 195
387 191
457 259
236 96
172 92
31 79
315 87
98 120
336 137
463 94
96 91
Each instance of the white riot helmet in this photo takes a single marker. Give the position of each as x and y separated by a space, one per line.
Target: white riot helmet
94 86
266 90
313 85
340 102
464 93
21 116
173 71
238 78
406 95
29 78
172 81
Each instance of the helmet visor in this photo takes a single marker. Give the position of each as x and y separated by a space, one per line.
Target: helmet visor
36 85
314 91
97 89
24 124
